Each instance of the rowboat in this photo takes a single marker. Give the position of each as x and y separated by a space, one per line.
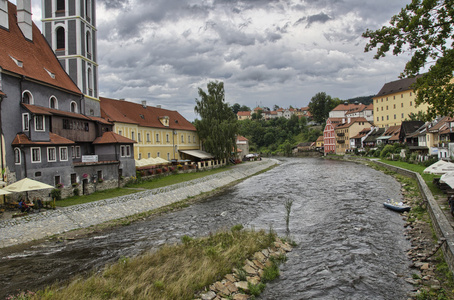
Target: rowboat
396 206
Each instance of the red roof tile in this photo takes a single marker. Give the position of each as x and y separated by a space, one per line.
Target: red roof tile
134 113
101 120
36 56
41 110
110 137
241 138
54 139
243 113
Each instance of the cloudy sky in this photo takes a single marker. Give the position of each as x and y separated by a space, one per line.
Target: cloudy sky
266 52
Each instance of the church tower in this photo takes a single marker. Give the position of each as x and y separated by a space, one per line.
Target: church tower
70 29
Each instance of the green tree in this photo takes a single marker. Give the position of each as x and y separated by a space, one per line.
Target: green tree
218 125
275 107
245 108
423 28
257 115
320 106
236 108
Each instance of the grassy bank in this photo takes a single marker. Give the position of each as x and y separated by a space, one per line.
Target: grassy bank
173 272
138 186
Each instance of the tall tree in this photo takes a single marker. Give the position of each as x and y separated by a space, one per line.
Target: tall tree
320 106
236 108
425 29
245 108
218 125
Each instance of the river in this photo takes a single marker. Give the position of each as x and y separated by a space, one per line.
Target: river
348 245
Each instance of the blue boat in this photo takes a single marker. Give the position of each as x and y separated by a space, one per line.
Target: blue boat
396 206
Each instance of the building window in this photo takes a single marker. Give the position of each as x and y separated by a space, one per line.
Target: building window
51 154
394 106
138 137
35 154
377 108
27 97
376 101
402 104
133 135
382 108
158 154
90 82
88 9
157 137
167 138
189 139
148 137
100 174
381 99
39 123
57 180
17 156
128 151
125 151
140 155
53 103
60 5
395 117
168 156
386 107
401 95
387 118
61 45
38 174
149 155
73 107
25 122
411 94
382 118
182 138
77 151
74 178
411 103
120 132
402 115
88 42
63 153
193 138
394 97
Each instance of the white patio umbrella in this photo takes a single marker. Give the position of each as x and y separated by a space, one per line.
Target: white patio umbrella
27 184
3 192
439 168
448 178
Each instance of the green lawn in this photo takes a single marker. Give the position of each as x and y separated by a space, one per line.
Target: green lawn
137 187
428 178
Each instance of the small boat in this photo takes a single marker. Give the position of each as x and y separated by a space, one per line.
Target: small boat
396 206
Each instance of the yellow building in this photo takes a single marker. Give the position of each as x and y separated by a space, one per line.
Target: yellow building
346 131
394 102
158 132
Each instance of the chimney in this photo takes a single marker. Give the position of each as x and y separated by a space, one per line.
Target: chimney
158 106
24 18
4 22
144 103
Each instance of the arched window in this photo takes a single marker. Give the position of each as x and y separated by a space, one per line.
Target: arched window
53 103
88 42
73 107
17 156
27 97
60 5
90 82
61 38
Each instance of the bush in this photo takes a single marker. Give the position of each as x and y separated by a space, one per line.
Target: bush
386 151
76 192
377 153
56 194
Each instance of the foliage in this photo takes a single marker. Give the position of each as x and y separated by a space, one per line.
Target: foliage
424 29
172 272
218 127
56 194
237 107
320 106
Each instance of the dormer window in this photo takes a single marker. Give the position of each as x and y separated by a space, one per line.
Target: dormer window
19 63
164 120
52 75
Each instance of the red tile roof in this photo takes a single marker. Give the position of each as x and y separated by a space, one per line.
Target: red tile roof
241 138
101 120
54 139
134 113
110 137
243 113
36 56
41 110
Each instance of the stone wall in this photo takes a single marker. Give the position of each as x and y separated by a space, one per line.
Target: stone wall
50 222
440 223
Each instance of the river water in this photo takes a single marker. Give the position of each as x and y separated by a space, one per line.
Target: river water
349 245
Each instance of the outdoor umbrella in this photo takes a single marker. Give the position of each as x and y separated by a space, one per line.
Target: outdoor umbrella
3 192
27 184
439 168
448 178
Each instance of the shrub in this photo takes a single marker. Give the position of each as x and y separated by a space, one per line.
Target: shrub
386 151
76 192
56 194
377 153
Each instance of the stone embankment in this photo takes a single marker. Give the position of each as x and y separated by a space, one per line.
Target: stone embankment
40 225
233 286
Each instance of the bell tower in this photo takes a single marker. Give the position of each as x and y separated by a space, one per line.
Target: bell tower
70 29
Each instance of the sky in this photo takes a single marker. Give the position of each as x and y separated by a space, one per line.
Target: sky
267 52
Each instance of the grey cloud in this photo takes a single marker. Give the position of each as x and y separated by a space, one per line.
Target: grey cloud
318 18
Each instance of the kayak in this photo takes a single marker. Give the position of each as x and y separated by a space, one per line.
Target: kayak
396 206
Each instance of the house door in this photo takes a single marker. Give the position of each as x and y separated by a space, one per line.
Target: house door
85 187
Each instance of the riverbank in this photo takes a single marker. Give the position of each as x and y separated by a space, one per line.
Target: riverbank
49 223
234 264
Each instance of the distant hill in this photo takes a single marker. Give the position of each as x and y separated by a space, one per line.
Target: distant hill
364 99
